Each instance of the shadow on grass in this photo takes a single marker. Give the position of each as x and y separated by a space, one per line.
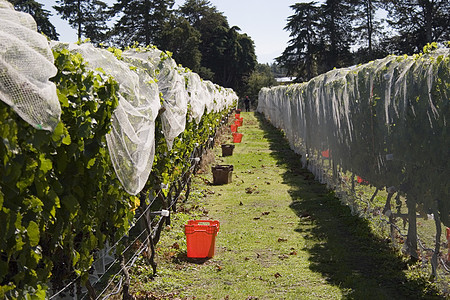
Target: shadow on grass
342 247
183 258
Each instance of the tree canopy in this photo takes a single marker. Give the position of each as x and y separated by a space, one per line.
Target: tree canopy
340 33
88 17
40 15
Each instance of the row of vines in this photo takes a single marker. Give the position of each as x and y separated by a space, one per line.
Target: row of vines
126 131
381 127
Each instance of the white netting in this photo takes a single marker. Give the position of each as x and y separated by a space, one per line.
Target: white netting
198 95
131 142
26 64
172 86
383 121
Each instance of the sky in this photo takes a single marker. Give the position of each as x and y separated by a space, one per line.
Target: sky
262 20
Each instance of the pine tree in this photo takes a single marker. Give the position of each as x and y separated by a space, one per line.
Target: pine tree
40 15
337 17
88 17
302 55
369 30
140 21
418 22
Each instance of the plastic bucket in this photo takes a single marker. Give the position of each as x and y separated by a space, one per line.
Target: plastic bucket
234 127
222 174
237 137
201 238
227 150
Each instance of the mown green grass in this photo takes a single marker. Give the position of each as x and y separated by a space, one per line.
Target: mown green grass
282 236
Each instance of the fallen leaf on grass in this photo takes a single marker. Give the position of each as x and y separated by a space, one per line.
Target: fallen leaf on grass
284 256
293 252
265 213
176 246
282 240
277 275
169 254
240 203
249 190
252 298
218 268
256 218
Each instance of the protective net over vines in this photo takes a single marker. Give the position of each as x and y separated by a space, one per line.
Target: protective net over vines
385 123
143 74
26 64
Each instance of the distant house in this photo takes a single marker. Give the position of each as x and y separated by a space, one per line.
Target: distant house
285 80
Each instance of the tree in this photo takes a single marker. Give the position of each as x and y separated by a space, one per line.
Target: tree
195 10
227 55
261 77
418 22
300 57
183 40
140 21
320 38
88 17
368 28
337 16
39 14
234 58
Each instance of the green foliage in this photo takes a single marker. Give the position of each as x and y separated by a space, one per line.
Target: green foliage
182 39
60 198
228 54
417 23
261 77
139 21
88 17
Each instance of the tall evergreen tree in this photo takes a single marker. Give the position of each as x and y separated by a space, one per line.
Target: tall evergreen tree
195 10
40 15
140 21
337 16
301 56
369 30
88 17
418 22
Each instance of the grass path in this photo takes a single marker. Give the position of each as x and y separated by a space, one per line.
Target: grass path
282 236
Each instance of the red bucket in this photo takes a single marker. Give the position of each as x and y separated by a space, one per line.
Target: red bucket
201 238
233 127
237 137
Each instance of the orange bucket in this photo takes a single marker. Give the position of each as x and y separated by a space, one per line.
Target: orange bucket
237 137
201 238
234 127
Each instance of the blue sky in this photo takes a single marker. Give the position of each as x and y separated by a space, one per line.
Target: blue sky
262 20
